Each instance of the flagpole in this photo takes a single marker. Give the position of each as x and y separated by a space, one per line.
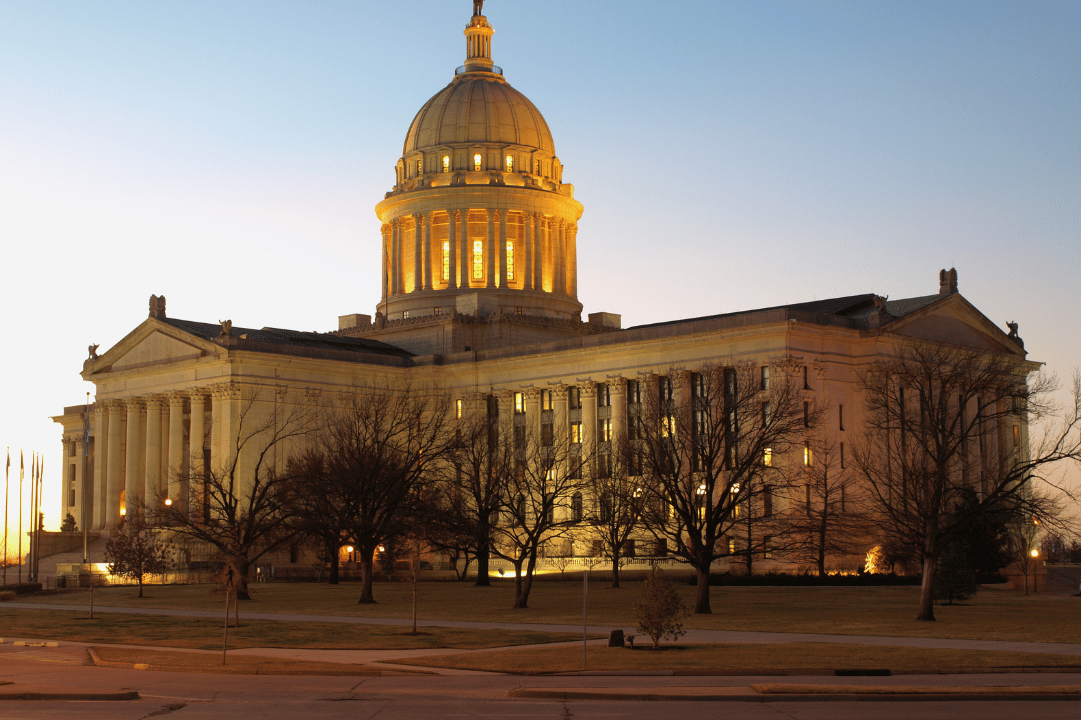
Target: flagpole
39 520
86 487
33 516
22 475
7 484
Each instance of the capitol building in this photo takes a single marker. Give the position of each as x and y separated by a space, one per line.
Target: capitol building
479 302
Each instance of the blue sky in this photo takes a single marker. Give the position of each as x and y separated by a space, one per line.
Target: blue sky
729 155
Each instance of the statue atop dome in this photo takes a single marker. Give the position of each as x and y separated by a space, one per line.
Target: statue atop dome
478 8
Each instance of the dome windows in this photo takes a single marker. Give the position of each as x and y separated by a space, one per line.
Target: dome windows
478 162
510 258
420 166
510 163
478 259
446 163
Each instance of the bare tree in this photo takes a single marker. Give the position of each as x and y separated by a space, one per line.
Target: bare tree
542 473
828 517
243 505
617 506
375 457
708 445
945 419
473 489
135 552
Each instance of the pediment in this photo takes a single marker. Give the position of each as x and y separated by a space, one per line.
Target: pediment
155 349
956 322
152 343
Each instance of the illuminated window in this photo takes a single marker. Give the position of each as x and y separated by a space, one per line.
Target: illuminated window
767 457
519 403
767 546
446 163
510 260
420 167
536 167
446 259
808 456
668 426
510 164
476 161
478 259
405 315
576 433
604 430
546 399
458 409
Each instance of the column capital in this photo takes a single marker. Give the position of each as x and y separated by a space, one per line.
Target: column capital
588 389
617 385
496 213
532 394
176 398
135 404
559 392
156 401
226 390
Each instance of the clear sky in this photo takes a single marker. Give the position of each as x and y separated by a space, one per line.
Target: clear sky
730 155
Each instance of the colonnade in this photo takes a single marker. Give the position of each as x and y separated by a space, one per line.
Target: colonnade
545 261
148 448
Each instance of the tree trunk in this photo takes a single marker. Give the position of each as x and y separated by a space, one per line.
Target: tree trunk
927 589
366 578
615 570
243 567
822 552
483 556
141 585
701 600
334 564
522 585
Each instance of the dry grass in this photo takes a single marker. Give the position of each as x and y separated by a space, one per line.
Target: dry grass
234 664
739 659
206 633
890 611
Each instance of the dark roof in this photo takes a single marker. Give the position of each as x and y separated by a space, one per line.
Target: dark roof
270 339
851 310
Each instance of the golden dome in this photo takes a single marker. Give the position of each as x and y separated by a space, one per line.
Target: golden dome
478 107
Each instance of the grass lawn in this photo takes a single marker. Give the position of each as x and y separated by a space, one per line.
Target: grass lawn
739 659
206 633
891 611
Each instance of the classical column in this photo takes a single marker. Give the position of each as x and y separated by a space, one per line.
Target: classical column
533 416
226 430
538 251
560 423
572 258
589 417
133 457
682 409
490 270
561 256
176 450
196 461
618 388
81 496
399 268
152 477
465 257
101 467
452 260
385 270
527 240
418 251
501 218
427 261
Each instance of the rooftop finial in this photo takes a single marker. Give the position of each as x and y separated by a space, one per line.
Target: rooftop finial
478 8
478 42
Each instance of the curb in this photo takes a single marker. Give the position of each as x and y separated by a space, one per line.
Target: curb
521 693
127 695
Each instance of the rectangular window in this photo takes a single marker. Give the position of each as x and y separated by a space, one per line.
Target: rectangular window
519 403
446 163
420 167
604 395
546 399
765 414
446 259
510 164
574 398
806 386
665 388
767 457
576 433
843 499
510 260
604 430
477 159
842 451
807 498
698 385
808 457
478 259
457 409
519 437
806 414
840 417
634 392
767 546
767 503
764 377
